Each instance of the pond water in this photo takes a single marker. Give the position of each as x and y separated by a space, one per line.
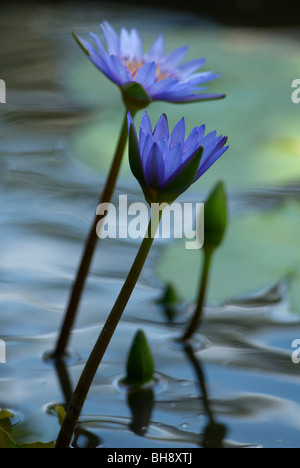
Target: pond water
236 386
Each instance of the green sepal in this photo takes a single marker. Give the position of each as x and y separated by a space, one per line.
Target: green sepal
140 366
134 96
80 44
215 217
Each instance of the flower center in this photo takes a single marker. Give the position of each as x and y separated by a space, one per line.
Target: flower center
133 66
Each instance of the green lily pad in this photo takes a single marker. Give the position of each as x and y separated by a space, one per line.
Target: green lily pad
5 414
259 248
7 442
5 422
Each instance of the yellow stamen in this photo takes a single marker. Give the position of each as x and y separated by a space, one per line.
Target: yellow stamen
133 66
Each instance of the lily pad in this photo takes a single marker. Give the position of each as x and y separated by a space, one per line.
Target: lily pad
7 442
260 248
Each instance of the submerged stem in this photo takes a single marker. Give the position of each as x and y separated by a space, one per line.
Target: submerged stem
90 246
197 317
95 358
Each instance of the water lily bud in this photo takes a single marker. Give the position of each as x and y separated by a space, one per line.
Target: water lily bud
169 296
215 217
140 366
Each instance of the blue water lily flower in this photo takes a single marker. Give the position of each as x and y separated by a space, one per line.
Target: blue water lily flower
146 77
166 164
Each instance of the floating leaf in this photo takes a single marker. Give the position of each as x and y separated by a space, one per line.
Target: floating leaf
58 411
7 442
4 414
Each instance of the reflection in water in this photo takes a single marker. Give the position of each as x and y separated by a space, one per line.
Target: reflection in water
82 437
141 402
214 433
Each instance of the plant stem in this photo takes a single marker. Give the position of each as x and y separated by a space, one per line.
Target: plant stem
197 317
95 358
90 246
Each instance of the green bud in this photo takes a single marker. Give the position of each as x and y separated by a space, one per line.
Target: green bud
169 302
134 96
140 365
169 296
215 217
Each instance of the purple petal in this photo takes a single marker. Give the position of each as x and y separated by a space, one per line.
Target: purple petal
210 161
111 38
112 68
129 122
200 78
173 160
145 151
178 134
161 129
191 143
104 68
163 144
125 44
121 72
161 88
96 58
212 147
146 75
155 170
146 123
209 138
157 50
190 67
87 46
194 97
137 47
174 58
99 45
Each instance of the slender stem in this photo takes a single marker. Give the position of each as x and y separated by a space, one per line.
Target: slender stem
90 246
197 317
95 358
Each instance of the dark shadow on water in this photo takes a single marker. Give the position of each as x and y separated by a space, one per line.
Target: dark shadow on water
214 432
82 437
